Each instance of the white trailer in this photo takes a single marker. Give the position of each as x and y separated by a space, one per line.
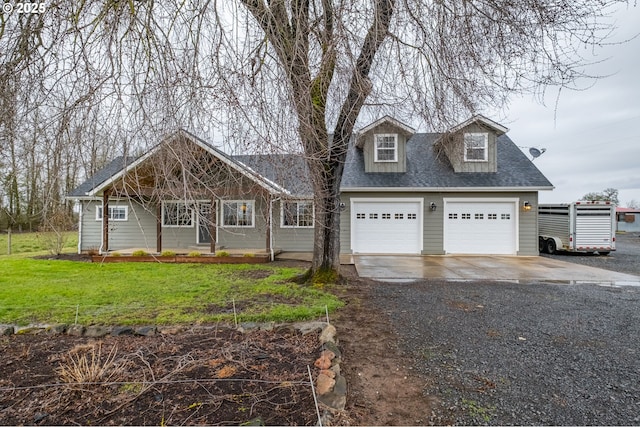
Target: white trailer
577 227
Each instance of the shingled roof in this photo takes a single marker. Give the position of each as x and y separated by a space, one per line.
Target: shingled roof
428 171
109 171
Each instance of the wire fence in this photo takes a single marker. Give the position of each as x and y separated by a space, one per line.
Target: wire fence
235 311
148 384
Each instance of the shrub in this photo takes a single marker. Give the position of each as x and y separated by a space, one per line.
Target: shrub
222 253
168 253
116 254
93 251
140 252
249 255
194 254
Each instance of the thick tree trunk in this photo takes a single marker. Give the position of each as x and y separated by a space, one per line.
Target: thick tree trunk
326 251
325 158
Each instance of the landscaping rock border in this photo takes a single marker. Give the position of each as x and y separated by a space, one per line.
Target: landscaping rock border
330 385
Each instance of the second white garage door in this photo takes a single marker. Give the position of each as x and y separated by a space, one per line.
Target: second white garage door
480 227
386 227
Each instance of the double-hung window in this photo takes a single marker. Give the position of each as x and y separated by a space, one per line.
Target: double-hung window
386 147
177 214
297 214
237 213
476 147
116 213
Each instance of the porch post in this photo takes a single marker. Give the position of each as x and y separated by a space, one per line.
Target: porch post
213 228
159 227
105 220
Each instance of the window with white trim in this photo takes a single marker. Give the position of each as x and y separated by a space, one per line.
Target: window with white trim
177 214
476 147
386 147
116 213
297 214
237 213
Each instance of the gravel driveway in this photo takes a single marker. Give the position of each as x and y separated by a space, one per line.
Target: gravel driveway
502 353
625 259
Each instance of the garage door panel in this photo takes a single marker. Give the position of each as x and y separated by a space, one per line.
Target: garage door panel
386 227
480 227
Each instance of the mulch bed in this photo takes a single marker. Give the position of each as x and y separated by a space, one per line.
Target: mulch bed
216 376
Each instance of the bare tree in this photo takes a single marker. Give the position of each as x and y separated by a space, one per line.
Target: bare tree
608 195
298 74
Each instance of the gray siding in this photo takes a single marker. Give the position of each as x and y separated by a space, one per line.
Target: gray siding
433 221
368 148
455 151
295 239
139 231
244 237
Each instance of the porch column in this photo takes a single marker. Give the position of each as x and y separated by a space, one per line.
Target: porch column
159 227
213 228
105 220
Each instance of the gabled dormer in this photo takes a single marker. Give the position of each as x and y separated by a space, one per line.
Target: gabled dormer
471 146
383 144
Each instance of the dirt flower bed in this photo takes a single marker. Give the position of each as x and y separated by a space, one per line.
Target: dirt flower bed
215 377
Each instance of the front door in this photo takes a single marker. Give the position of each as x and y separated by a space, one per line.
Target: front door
205 222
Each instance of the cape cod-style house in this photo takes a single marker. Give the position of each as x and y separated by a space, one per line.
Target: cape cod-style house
470 190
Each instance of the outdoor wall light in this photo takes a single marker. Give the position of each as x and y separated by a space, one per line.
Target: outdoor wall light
433 206
526 206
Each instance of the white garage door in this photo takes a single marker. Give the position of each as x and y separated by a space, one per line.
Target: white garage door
480 227
389 227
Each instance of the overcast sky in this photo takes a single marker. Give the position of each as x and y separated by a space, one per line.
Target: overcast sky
593 142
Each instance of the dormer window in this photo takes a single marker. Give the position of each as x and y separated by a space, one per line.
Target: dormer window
476 147
386 147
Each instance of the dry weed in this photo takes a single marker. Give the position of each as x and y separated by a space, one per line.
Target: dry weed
85 364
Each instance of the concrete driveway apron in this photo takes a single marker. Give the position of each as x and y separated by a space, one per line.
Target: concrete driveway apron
487 267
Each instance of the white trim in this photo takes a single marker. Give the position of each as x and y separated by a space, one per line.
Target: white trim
80 217
485 148
395 147
313 213
384 119
253 213
111 208
482 119
182 202
516 213
353 201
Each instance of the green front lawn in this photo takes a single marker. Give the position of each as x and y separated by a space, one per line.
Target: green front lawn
31 243
53 291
